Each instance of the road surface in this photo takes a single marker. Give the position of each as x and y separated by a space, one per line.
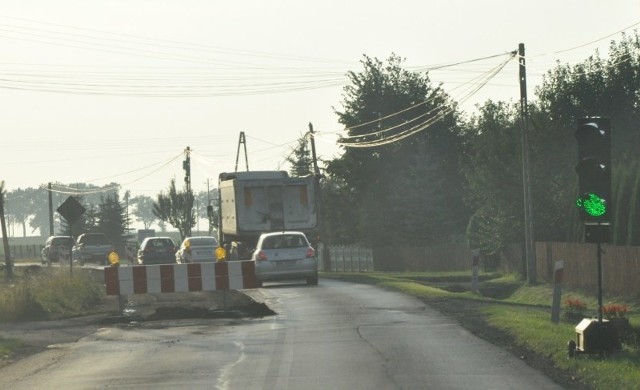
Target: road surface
334 336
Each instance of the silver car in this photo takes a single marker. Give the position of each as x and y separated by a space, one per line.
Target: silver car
285 256
197 249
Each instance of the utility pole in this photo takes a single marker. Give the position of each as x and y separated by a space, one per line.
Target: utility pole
5 239
51 232
529 241
186 164
326 255
242 141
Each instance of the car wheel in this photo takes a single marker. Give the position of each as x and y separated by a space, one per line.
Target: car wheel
312 281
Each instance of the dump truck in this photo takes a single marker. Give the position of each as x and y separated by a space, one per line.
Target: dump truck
256 202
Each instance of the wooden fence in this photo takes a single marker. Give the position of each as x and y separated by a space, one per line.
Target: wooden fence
620 265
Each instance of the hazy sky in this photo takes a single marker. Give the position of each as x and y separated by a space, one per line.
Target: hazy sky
103 91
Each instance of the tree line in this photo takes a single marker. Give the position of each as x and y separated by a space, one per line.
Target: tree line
105 210
460 179
457 180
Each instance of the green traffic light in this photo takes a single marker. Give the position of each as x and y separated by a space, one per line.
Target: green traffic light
592 204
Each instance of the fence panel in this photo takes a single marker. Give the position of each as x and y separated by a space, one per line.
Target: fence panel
23 252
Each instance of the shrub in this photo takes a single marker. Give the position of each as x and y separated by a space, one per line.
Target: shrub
574 305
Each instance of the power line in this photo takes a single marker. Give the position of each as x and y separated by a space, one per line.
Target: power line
360 142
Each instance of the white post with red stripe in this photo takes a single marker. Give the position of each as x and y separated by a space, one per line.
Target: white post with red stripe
557 291
167 278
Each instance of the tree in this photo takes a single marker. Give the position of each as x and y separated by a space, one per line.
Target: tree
112 220
594 87
407 190
176 208
493 168
300 159
205 198
19 207
144 210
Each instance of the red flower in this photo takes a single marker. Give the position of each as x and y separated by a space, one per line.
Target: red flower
575 305
615 311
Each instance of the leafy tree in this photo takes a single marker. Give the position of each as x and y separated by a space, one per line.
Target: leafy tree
407 190
338 212
143 211
493 168
40 219
19 207
176 208
204 199
596 87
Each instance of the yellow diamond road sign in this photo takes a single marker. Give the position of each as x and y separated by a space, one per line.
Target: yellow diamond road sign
71 210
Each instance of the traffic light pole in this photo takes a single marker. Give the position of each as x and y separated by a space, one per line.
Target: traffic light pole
594 171
599 282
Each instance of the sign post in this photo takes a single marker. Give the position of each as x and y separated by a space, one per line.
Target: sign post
71 210
475 270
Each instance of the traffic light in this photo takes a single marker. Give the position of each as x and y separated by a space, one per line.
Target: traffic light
594 170
186 165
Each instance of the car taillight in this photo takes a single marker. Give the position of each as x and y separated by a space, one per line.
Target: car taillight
261 256
310 252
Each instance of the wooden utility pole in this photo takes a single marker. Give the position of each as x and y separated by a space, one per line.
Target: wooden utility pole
529 241
5 239
51 232
186 164
326 255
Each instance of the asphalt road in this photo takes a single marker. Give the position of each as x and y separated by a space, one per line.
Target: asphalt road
333 336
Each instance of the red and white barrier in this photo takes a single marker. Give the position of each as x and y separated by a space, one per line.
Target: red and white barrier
167 278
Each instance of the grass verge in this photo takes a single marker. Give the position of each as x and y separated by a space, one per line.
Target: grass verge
47 293
509 313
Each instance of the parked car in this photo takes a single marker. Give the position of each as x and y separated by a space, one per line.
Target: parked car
197 249
157 250
92 247
283 256
56 247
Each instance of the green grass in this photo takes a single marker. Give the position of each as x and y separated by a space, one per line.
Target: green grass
48 294
523 312
7 346
531 327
